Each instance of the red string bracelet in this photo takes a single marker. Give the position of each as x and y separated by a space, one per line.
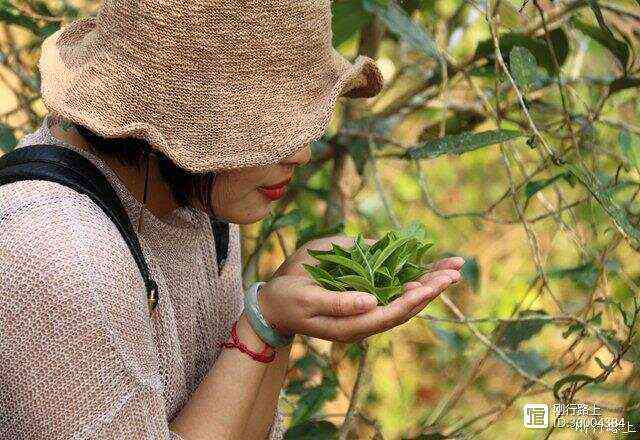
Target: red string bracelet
263 356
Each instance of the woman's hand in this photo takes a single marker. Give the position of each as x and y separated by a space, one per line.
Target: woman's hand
293 303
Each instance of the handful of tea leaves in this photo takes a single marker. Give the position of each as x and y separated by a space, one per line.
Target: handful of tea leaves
380 269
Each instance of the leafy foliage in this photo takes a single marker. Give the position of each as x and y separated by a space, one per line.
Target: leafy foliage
461 143
381 269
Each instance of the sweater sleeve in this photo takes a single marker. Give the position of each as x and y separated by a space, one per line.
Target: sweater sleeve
75 338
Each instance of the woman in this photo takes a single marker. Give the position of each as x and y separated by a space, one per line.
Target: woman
191 110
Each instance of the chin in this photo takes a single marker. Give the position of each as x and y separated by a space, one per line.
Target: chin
247 218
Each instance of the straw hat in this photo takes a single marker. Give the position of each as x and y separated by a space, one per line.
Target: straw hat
213 84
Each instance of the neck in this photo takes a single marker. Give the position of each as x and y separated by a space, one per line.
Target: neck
159 199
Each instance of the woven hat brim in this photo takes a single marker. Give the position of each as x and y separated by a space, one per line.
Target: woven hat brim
214 132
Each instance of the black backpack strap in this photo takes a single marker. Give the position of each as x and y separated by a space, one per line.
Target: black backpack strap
69 168
220 230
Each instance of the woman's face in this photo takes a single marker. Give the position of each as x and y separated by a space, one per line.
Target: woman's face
245 195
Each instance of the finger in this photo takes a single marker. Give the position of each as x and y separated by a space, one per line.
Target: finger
418 308
411 285
448 263
429 276
330 303
424 304
381 318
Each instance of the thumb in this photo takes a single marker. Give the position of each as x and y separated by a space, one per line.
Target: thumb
330 303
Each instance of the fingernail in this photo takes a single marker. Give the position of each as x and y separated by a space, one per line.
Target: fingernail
460 260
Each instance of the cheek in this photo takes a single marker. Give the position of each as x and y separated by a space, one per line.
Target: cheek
237 199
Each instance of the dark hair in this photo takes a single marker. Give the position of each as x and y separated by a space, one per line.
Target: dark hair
130 151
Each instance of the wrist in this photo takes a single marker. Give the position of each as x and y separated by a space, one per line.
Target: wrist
248 336
268 330
269 314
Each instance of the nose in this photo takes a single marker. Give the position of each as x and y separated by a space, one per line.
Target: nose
301 157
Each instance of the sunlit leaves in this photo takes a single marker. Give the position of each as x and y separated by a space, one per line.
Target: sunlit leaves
461 143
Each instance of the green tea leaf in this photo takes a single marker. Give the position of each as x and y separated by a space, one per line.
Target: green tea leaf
357 282
342 261
386 294
324 278
410 272
386 253
461 143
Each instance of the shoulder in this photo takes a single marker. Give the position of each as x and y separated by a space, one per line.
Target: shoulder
55 239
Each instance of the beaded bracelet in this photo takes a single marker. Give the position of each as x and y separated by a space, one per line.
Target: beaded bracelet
258 322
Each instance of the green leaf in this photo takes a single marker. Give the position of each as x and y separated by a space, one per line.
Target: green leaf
452 339
357 282
11 15
615 212
578 379
461 143
534 186
530 361
348 17
360 255
324 278
8 140
618 48
311 401
339 250
386 253
314 430
289 219
470 271
602 365
386 294
595 7
398 22
410 272
630 146
537 46
525 70
342 261
517 332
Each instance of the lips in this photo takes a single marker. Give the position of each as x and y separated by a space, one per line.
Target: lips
275 192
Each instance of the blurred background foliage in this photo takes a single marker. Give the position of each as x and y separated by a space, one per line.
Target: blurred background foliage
511 131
